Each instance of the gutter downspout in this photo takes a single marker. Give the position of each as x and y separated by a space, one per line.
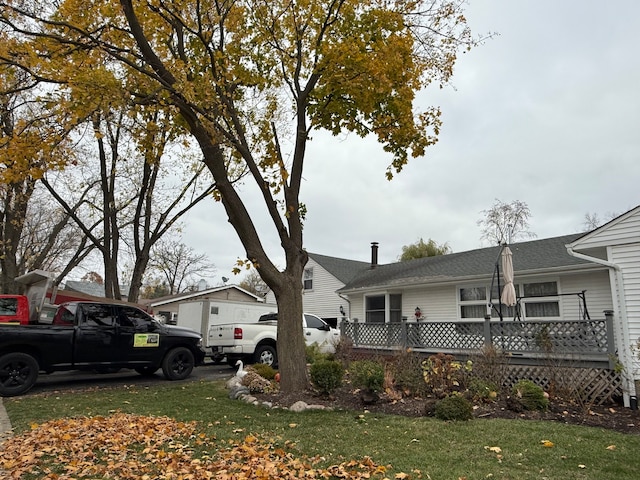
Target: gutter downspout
346 299
627 360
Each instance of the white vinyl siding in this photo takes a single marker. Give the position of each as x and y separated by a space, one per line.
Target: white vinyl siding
442 302
436 303
322 300
598 295
623 231
628 258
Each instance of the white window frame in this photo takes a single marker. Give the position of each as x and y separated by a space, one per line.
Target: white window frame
508 312
390 314
557 298
307 276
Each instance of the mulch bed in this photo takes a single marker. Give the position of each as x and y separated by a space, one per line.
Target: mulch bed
613 417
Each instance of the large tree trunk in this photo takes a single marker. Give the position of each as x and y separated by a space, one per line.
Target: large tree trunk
14 211
140 266
291 343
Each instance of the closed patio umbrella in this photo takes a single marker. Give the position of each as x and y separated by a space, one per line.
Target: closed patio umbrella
508 297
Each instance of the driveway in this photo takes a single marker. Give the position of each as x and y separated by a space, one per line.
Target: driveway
61 381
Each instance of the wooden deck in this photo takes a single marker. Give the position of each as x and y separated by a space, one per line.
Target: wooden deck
584 343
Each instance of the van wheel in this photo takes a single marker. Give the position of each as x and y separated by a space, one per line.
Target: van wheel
266 354
18 373
178 364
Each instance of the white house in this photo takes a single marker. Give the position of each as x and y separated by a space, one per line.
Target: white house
568 277
550 284
616 247
323 277
562 278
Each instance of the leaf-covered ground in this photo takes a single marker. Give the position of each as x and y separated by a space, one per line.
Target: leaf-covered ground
126 446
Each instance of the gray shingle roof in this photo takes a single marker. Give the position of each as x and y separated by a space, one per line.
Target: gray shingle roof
343 269
546 254
92 288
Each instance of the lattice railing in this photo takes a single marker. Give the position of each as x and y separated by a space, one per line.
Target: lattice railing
587 385
570 338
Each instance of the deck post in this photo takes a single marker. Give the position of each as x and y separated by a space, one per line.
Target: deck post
488 341
403 333
611 344
356 327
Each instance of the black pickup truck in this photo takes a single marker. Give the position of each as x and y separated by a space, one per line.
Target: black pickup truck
101 337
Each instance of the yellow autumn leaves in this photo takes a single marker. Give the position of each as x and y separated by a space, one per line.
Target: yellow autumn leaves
129 446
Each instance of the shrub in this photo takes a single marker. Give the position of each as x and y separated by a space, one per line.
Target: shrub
406 372
344 350
313 354
256 383
483 390
326 375
443 374
264 370
367 374
491 365
529 395
454 407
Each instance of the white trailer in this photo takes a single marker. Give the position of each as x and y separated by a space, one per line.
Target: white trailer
201 315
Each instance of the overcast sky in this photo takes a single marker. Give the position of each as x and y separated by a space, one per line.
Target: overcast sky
547 113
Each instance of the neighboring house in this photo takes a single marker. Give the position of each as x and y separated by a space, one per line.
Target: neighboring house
93 288
323 276
167 307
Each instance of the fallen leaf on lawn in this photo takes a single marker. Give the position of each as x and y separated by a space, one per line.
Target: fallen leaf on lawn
611 447
494 449
293 425
547 443
123 445
582 466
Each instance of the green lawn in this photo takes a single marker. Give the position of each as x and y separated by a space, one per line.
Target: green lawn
420 447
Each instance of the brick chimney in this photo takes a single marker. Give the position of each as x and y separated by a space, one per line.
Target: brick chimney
374 255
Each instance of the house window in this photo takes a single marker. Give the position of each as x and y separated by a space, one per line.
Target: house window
395 308
376 308
473 302
307 279
541 300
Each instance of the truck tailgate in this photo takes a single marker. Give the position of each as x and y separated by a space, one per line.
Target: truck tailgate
222 335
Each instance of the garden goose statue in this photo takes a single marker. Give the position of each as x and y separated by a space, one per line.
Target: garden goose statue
236 380
241 372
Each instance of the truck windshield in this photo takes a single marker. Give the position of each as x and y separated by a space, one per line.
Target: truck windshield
65 315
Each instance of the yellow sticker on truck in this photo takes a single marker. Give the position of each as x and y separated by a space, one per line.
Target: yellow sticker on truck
146 340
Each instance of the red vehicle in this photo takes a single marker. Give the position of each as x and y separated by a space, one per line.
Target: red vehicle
14 309
29 308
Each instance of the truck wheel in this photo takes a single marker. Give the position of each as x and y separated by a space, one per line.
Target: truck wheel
266 354
178 364
146 371
18 373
